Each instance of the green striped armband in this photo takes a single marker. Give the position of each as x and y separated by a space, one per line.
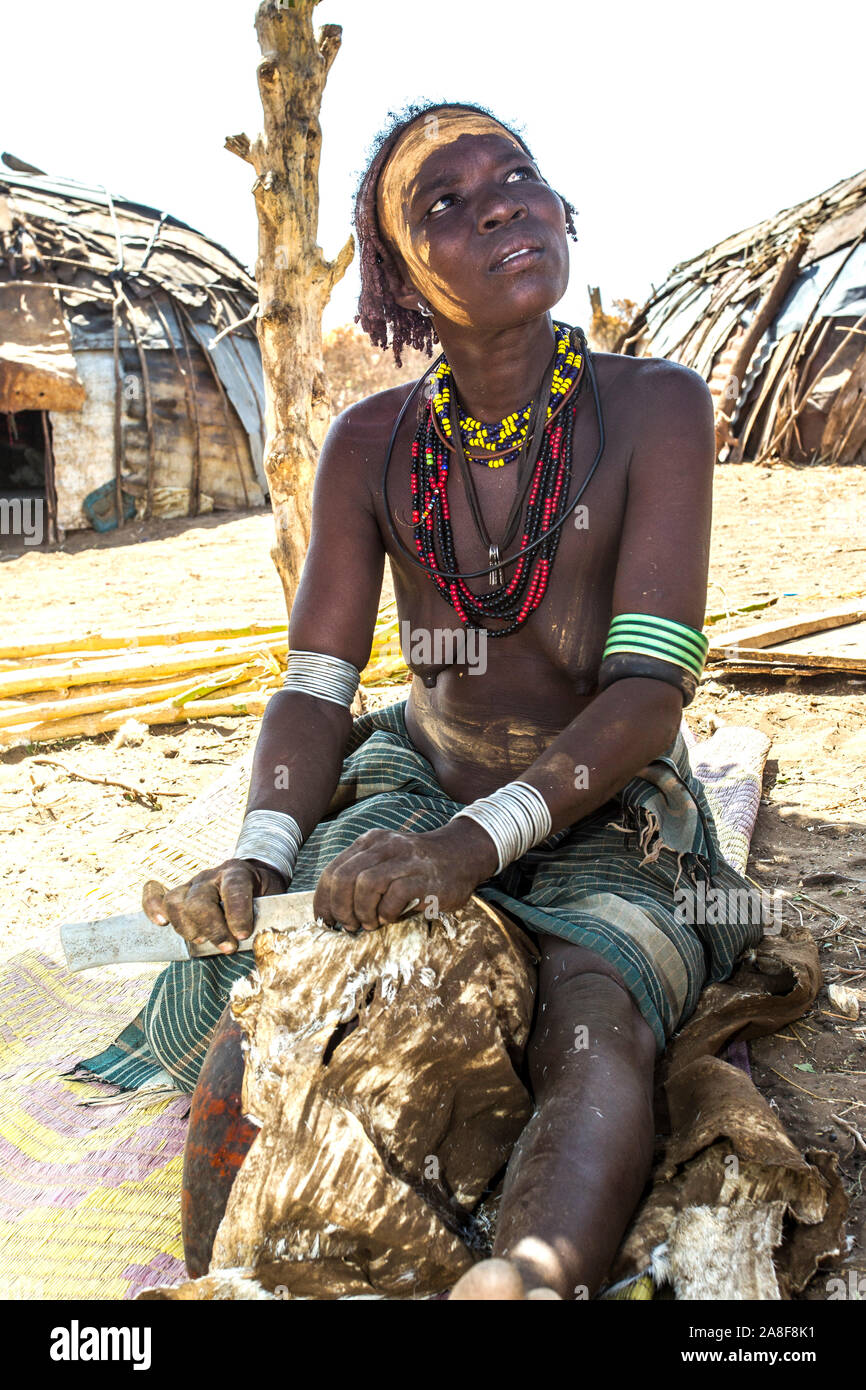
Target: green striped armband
639 644
659 637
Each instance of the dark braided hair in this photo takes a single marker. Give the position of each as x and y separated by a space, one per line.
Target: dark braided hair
377 308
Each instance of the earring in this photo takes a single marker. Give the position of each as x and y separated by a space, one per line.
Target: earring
426 312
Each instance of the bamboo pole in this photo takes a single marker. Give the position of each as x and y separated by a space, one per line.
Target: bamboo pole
101 700
118 408
177 679
147 666
145 637
164 712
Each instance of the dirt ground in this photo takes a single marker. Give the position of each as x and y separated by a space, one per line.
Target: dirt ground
791 532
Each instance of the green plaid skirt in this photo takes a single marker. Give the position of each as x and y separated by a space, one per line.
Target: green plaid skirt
607 883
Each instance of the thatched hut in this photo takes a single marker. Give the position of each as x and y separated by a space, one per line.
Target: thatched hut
130 374
775 319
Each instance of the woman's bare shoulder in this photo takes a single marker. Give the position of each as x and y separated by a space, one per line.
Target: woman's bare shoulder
357 440
372 418
632 379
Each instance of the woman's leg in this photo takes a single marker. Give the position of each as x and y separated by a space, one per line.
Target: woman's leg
580 1166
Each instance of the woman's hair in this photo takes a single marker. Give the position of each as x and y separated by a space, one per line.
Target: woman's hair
377 308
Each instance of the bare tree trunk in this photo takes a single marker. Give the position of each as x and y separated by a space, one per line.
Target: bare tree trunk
294 279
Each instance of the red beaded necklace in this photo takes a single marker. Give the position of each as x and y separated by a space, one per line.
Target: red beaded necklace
545 460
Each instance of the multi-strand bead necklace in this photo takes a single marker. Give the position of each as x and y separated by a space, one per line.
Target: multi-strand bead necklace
541 442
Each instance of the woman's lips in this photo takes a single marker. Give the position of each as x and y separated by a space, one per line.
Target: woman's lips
520 261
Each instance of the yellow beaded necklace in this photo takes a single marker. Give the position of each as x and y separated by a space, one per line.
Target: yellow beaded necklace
501 442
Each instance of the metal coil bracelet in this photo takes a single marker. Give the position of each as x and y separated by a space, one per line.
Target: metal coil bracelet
515 816
273 838
327 677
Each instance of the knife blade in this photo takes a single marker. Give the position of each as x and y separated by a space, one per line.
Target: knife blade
132 938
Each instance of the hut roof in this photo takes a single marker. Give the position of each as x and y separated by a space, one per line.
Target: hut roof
708 304
83 246
89 234
82 268
87 275
86 243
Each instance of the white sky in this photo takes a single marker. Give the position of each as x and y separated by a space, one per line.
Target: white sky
668 125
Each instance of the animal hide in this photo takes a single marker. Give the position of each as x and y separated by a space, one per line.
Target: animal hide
728 1153
382 1070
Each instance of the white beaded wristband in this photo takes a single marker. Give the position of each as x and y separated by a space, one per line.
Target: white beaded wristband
273 838
515 816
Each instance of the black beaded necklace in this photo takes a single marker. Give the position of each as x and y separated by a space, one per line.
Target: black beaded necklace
546 468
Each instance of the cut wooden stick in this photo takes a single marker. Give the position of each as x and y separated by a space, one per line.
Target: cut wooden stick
741 608
61 688
775 631
149 799
241 702
846 1124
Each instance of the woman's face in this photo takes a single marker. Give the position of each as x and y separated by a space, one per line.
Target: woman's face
472 201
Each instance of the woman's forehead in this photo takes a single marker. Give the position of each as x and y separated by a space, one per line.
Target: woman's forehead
454 157
430 142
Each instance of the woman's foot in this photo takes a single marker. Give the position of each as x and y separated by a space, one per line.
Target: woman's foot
495 1279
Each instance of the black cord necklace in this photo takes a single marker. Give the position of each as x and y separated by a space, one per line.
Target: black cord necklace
526 461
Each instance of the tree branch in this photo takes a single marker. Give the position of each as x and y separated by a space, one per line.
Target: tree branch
328 40
239 145
336 269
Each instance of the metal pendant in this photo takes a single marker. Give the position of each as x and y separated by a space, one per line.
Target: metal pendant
495 577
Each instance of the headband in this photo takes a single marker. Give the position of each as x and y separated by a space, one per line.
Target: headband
439 127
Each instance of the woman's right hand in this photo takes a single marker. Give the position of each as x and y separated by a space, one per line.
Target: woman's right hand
217 905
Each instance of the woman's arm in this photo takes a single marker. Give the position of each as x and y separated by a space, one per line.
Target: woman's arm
662 570
300 748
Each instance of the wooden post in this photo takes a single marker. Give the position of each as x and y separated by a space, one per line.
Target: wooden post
50 480
187 376
294 279
148 406
118 410
730 396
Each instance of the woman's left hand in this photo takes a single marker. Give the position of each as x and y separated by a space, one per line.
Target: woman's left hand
376 879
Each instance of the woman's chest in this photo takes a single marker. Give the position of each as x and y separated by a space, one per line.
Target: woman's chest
567 517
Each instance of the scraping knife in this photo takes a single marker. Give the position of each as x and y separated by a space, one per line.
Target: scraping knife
133 937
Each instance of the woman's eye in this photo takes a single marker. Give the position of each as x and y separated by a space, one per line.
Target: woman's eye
522 169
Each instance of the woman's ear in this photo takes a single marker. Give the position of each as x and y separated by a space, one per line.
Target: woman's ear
403 292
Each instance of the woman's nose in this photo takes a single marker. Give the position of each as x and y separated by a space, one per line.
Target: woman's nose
500 208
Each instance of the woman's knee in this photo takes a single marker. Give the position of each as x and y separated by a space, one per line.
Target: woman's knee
590 1014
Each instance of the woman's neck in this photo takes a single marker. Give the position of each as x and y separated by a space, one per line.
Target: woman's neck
496 373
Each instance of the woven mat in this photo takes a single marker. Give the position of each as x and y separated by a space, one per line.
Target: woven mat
731 767
90 1195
